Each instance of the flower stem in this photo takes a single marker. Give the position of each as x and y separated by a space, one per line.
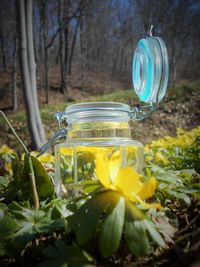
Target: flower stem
33 183
14 132
30 165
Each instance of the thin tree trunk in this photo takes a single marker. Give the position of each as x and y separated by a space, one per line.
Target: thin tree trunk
14 76
115 59
72 47
32 67
2 40
46 60
62 57
46 51
65 59
82 50
121 59
27 66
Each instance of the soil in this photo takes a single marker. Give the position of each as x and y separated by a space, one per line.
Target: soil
175 112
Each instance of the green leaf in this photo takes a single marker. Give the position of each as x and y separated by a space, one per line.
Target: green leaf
44 184
32 222
135 233
15 186
85 220
154 233
180 195
59 208
111 230
7 227
3 182
61 255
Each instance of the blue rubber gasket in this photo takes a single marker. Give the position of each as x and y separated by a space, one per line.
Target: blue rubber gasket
150 70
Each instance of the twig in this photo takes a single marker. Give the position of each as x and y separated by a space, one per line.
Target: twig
30 164
188 225
14 132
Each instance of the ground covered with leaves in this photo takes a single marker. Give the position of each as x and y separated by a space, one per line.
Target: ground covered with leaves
151 220
179 109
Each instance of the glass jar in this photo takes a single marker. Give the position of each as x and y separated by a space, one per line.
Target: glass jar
94 128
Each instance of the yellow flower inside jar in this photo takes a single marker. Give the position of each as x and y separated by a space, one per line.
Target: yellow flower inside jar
94 129
125 180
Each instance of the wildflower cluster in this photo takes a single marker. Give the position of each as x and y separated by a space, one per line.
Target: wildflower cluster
180 152
183 139
175 162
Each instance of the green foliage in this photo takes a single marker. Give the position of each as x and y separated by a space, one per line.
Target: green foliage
44 183
65 232
111 230
107 214
175 162
19 186
20 225
65 256
135 233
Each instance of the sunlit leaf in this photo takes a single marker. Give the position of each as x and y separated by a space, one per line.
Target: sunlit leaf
85 220
153 232
135 233
44 184
111 229
180 195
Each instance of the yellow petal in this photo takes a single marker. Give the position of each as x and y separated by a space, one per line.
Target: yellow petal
66 151
114 165
4 149
149 205
8 167
147 189
102 170
128 182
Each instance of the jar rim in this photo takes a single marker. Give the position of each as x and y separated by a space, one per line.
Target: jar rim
97 106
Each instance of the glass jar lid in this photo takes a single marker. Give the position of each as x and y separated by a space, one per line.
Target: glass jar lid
97 111
150 69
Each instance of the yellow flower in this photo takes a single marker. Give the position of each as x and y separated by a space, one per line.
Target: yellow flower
148 158
8 167
124 180
66 151
69 151
183 139
44 158
6 150
160 157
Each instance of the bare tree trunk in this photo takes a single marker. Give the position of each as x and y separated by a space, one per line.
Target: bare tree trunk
72 47
82 50
46 60
115 59
14 76
32 67
65 58
2 40
28 73
62 56
46 50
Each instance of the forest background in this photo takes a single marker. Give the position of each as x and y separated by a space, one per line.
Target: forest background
55 53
